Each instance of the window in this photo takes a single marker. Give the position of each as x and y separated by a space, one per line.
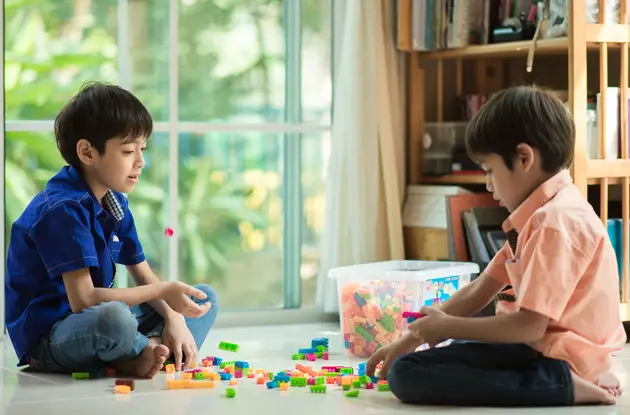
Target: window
240 93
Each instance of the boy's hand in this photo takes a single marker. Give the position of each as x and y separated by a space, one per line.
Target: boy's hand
431 327
388 354
177 337
177 296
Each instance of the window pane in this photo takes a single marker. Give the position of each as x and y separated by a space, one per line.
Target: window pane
31 159
231 61
149 204
316 61
315 154
54 47
230 216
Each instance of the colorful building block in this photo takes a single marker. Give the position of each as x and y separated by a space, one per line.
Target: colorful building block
225 376
352 394
310 357
124 389
383 387
356 384
272 384
369 385
319 341
230 347
282 378
346 387
125 382
308 350
81 375
298 356
318 389
284 386
298 381
198 376
230 393
233 382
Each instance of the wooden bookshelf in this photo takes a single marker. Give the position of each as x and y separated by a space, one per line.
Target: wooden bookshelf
426 95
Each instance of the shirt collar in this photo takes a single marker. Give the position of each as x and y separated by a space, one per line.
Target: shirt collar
109 202
539 197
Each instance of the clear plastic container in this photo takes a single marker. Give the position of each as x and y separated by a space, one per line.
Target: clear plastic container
372 297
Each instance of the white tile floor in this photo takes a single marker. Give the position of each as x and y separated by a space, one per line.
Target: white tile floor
264 347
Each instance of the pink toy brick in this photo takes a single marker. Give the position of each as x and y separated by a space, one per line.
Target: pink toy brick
310 381
311 357
238 374
369 385
169 232
325 355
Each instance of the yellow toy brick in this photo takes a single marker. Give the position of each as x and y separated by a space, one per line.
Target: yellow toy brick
124 389
187 375
170 368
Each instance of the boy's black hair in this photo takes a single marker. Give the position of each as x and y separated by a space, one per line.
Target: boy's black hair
100 112
523 114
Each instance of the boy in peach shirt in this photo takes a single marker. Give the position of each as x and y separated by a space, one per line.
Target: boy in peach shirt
551 339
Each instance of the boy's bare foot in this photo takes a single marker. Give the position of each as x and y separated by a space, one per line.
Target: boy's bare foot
147 364
611 383
586 392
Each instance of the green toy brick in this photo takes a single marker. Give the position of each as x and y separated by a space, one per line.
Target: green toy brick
229 363
356 384
346 387
81 375
352 394
321 348
319 381
318 389
198 376
332 374
319 355
365 334
387 322
346 370
230 347
298 381
384 387
230 393
298 356
364 379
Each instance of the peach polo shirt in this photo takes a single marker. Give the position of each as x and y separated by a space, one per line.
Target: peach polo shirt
564 268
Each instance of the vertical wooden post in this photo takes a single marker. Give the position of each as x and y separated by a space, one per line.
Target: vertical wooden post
577 89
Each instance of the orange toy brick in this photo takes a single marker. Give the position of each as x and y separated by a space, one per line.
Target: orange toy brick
251 375
233 382
170 368
284 386
124 389
187 375
260 381
125 382
200 384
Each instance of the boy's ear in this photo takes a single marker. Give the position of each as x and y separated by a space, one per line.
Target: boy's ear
525 156
86 152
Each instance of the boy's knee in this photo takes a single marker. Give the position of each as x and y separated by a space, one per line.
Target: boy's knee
211 294
115 321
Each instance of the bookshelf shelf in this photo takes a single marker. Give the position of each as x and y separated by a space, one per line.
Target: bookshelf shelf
508 49
455 179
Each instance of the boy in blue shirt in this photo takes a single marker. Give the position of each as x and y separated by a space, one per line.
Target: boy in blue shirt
62 312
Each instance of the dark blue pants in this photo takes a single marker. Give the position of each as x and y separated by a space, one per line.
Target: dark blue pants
481 374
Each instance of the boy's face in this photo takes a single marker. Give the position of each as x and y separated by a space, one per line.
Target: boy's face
510 187
118 167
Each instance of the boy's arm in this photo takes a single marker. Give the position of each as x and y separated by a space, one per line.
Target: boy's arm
549 270
82 294
143 275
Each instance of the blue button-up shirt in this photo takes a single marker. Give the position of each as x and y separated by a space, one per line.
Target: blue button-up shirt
63 229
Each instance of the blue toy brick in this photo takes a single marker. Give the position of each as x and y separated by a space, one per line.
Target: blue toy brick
282 378
225 376
241 365
309 350
272 384
319 341
359 300
346 345
374 379
218 361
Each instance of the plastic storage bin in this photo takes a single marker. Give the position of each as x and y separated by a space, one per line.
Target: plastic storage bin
372 297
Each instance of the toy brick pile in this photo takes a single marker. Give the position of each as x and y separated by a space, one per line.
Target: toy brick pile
301 376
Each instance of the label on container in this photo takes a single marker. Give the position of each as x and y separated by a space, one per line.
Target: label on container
438 290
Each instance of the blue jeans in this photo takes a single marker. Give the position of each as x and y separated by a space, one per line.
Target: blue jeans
481 374
89 340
